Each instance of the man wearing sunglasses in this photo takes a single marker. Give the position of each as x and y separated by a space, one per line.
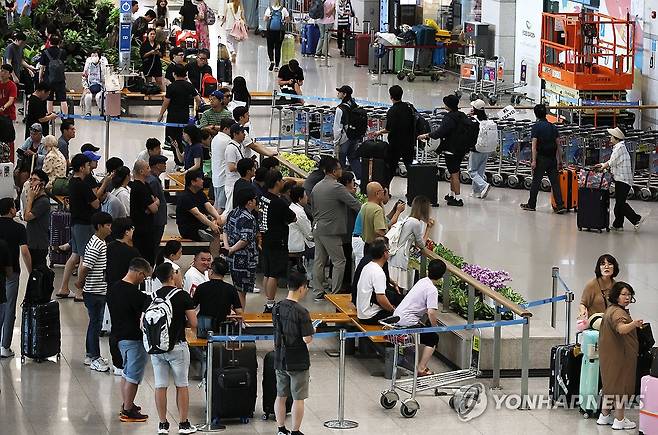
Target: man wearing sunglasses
197 69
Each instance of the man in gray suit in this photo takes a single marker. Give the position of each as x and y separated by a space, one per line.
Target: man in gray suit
330 201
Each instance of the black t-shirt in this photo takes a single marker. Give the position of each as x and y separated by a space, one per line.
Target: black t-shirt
80 198
546 134
15 235
169 73
291 322
92 181
241 186
286 74
4 263
181 94
274 218
195 73
180 302
216 298
188 12
141 196
186 221
36 108
400 125
126 304
119 256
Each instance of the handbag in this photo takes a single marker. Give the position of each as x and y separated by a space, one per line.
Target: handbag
645 338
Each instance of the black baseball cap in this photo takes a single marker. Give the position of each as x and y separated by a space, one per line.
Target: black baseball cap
345 90
88 147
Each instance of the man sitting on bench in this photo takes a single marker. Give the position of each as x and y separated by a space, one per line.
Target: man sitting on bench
375 299
423 298
194 213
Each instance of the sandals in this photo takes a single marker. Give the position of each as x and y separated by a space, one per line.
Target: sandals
426 372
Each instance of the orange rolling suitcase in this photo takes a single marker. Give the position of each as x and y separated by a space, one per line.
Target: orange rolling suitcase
568 179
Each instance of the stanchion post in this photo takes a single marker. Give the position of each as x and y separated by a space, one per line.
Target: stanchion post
447 282
107 137
423 266
568 301
555 272
207 426
496 354
471 304
341 423
525 363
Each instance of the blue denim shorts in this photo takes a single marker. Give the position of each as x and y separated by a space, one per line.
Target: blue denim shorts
134 360
178 360
220 197
80 236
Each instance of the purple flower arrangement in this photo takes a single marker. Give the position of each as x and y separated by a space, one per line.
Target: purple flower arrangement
496 279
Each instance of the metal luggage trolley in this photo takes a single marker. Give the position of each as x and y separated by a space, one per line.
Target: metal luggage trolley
412 66
441 383
470 74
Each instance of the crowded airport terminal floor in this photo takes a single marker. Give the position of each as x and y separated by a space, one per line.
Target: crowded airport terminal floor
532 283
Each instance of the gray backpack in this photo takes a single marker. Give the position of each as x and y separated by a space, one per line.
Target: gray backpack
56 68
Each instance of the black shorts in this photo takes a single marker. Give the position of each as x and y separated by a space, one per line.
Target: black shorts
57 92
275 262
454 162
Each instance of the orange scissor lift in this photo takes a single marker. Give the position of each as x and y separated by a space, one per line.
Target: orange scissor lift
588 57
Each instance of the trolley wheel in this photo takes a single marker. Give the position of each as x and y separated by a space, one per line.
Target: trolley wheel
458 94
22 359
473 96
244 420
600 231
513 181
645 194
401 76
58 357
607 230
409 408
411 77
518 99
513 99
497 180
436 77
438 392
265 416
527 183
493 100
465 177
451 402
580 228
545 184
387 401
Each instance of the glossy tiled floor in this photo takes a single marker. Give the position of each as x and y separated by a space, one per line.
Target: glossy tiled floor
66 398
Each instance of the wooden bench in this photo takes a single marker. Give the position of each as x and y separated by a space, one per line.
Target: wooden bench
343 304
189 247
261 98
129 99
266 319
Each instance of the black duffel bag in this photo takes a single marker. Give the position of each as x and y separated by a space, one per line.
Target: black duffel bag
373 149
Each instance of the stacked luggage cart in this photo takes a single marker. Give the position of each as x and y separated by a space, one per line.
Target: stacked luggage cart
482 78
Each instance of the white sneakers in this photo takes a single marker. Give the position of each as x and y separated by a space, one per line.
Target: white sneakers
624 424
118 371
99 365
605 419
609 419
5 352
639 223
485 191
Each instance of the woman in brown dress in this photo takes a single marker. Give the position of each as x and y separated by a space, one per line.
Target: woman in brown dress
618 348
595 294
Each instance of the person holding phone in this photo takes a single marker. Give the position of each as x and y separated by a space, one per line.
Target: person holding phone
37 216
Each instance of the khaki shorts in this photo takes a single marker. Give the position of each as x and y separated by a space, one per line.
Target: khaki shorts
293 384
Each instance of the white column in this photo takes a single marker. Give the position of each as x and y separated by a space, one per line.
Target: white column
501 15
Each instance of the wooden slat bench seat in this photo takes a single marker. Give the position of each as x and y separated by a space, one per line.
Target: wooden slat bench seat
261 98
190 247
343 304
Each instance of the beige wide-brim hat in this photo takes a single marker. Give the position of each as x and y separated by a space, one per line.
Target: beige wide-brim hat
616 132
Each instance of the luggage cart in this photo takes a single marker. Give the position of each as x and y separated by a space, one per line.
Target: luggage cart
644 169
440 383
470 74
418 62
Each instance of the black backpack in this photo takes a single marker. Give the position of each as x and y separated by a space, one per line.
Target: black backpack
466 136
356 123
421 124
56 69
316 11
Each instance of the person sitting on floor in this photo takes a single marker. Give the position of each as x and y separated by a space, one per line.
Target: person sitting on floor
423 299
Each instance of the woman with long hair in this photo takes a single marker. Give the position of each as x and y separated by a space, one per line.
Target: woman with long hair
233 12
240 91
150 53
595 294
276 16
188 13
202 25
415 229
121 190
162 11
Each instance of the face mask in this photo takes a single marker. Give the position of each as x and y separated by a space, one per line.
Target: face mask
95 59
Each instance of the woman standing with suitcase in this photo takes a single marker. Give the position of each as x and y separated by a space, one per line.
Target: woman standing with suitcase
276 16
345 14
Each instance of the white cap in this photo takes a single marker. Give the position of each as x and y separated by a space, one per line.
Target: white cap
616 132
478 104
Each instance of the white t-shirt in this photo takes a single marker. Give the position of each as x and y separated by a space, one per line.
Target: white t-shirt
193 278
284 12
246 150
232 154
143 155
414 306
154 284
372 279
217 157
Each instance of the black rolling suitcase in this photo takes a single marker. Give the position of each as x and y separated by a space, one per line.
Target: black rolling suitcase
349 46
40 331
234 381
224 71
423 179
40 286
269 387
60 234
564 383
593 204
373 170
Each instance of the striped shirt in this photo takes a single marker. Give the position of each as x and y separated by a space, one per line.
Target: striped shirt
345 13
95 259
211 117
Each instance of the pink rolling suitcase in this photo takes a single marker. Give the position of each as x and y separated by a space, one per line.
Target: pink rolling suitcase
649 412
